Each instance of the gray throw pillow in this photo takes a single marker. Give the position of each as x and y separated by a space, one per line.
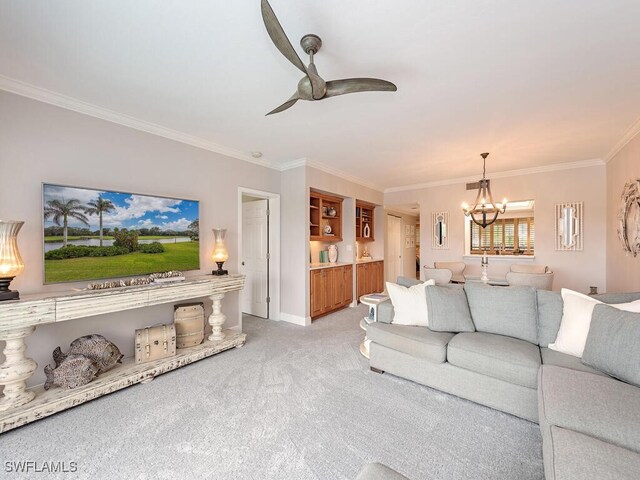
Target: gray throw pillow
448 309
613 343
509 311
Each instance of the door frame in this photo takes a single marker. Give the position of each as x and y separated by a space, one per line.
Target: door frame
401 243
274 245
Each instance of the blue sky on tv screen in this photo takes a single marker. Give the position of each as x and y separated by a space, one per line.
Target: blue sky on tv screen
131 211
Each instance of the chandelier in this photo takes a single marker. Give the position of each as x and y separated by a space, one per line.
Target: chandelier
484 212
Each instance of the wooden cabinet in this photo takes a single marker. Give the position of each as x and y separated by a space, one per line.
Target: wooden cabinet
331 289
325 210
369 278
364 221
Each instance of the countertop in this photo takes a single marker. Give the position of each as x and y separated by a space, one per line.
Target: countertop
369 260
316 266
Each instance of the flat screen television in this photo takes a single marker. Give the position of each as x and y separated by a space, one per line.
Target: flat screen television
91 234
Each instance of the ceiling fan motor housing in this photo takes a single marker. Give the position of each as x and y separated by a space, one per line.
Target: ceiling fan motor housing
311 43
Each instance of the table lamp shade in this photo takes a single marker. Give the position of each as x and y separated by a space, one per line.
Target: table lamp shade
11 263
220 253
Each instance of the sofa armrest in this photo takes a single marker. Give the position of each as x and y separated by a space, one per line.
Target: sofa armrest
385 311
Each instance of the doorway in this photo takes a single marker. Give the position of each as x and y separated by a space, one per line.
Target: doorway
259 252
394 248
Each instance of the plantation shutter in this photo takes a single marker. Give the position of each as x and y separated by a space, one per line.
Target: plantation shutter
509 234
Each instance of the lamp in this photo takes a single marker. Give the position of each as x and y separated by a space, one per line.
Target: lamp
220 254
11 263
482 207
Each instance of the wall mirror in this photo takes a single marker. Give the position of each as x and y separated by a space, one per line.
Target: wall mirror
569 217
513 233
440 230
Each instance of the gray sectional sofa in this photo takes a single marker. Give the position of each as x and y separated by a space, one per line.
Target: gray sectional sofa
590 422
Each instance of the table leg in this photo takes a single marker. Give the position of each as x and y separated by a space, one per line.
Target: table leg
217 318
16 369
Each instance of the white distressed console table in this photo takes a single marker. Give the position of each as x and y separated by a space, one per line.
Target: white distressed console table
19 318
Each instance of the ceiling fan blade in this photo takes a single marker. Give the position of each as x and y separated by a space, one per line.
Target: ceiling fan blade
288 104
354 85
279 38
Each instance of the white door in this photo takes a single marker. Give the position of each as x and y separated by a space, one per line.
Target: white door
255 258
394 248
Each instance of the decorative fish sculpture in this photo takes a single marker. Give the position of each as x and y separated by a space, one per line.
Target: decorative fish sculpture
96 348
74 371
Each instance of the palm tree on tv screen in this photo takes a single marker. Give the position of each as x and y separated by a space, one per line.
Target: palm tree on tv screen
61 210
98 207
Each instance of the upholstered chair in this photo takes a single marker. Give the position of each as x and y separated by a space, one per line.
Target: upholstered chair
541 281
441 276
457 270
518 268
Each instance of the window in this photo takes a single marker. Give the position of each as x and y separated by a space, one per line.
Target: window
506 236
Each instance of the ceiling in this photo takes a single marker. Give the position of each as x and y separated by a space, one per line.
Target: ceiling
534 83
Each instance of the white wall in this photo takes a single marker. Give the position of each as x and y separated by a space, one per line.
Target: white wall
294 284
623 270
42 143
576 270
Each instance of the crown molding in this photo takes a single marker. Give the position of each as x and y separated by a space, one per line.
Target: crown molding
505 174
330 170
59 100
301 162
344 175
629 135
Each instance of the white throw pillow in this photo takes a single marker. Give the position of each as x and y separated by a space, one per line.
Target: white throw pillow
409 304
576 320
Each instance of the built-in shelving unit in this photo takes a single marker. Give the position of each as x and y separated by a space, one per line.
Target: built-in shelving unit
325 210
364 221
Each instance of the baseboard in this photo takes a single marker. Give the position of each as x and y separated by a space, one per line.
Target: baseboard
295 319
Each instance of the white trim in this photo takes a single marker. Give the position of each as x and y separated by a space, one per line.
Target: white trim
295 319
330 170
274 245
301 162
506 174
629 135
47 96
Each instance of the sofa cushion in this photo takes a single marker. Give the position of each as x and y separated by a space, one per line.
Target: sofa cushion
551 357
599 406
505 358
573 456
550 311
613 343
416 341
448 309
407 281
577 312
613 298
510 311
549 316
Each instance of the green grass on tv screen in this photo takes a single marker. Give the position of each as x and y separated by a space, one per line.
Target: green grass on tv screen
176 256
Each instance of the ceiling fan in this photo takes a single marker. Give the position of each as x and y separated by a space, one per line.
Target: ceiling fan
312 86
